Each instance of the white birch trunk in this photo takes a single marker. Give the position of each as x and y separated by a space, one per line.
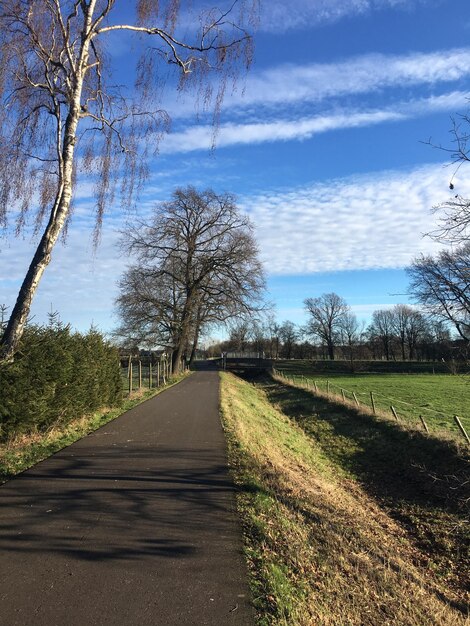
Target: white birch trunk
60 209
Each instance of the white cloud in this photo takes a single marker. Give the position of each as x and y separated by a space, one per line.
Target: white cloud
368 222
279 15
359 75
302 84
200 137
79 283
363 222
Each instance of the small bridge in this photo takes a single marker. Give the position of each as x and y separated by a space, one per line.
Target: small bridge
243 361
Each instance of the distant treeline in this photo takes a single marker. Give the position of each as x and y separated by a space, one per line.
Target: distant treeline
57 376
399 334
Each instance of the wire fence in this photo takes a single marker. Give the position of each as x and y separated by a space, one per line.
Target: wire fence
380 405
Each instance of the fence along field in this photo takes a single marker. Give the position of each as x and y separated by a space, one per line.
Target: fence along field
426 401
145 373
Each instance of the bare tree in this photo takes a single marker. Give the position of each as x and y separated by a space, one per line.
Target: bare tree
326 316
199 263
350 331
441 285
273 339
454 213
454 221
402 315
148 307
416 329
58 103
288 334
240 331
382 328
259 336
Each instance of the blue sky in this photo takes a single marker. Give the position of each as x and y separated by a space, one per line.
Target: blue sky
323 147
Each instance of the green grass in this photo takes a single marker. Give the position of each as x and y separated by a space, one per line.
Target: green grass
25 451
321 547
437 397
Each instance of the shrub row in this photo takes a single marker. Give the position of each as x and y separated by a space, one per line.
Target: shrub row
57 376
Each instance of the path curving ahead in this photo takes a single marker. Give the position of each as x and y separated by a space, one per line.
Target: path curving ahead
133 525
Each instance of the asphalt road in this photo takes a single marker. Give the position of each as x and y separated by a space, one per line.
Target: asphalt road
133 525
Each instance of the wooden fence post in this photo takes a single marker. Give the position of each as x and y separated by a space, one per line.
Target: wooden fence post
150 374
158 374
373 402
328 388
315 385
140 374
395 413
130 377
355 398
424 423
342 393
462 429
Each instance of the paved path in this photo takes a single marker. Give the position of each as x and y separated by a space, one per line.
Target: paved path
132 525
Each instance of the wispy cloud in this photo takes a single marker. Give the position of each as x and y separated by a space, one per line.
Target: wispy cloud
201 137
312 84
79 283
278 15
359 75
367 222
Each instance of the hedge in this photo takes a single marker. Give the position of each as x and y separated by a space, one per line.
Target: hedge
57 376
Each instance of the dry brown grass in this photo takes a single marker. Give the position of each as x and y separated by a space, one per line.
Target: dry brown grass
321 551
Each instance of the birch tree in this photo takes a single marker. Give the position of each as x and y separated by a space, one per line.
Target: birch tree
62 116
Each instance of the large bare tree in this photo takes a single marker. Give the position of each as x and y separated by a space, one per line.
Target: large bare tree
326 317
59 103
441 284
197 258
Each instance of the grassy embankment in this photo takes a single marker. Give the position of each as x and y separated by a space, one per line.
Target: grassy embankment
24 451
437 397
347 520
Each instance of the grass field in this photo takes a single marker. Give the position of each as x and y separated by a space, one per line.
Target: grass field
437 397
344 521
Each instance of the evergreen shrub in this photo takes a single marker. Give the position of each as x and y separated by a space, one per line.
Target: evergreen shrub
57 376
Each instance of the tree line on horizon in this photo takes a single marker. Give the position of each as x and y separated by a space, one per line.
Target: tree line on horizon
333 331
